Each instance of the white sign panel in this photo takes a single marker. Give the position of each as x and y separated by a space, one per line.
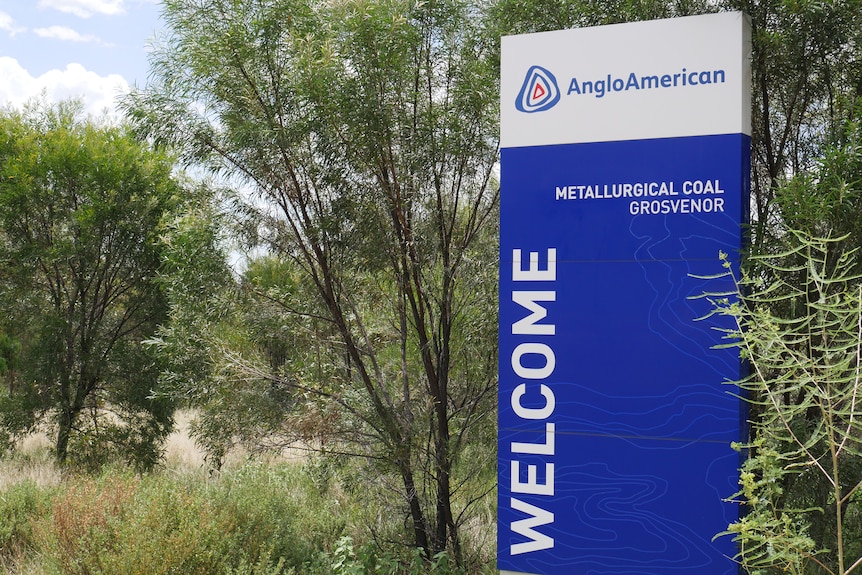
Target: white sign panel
656 79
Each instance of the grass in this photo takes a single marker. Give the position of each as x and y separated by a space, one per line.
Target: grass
33 463
254 519
121 524
249 519
287 516
181 453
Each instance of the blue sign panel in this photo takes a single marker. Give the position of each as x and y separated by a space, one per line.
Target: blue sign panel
615 414
615 425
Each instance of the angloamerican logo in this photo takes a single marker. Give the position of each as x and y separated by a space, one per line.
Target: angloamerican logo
539 92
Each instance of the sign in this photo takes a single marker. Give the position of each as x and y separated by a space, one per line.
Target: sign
624 173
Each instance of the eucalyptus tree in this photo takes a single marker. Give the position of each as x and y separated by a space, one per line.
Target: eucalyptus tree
363 136
806 82
81 206
527 16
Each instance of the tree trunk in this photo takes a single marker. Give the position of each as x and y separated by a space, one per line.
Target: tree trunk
64 431
420 525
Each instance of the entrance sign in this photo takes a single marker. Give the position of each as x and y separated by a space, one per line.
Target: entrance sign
624 173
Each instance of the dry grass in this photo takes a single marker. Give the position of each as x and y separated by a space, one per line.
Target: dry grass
33 462
33 459
181 452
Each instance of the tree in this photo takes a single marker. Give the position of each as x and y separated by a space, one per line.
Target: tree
527 16
806 82
365 132
9 416
80 212
798 310
205 328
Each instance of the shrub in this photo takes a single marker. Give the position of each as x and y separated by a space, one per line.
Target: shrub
346 559
20 505
257 520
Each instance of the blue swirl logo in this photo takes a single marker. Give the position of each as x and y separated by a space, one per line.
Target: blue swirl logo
539 92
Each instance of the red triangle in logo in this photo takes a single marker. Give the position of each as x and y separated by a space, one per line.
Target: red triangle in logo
538 91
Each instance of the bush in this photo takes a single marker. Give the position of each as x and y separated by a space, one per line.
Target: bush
20 505
256 521
366 560
253 520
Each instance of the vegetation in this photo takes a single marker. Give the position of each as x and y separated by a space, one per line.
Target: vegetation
368 153
798 310
252 519
80 212
806 85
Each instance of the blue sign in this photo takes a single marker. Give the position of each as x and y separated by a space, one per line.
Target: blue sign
615 416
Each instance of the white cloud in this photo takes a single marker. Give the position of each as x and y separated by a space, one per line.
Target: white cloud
85 8
98 93
8 24
64 33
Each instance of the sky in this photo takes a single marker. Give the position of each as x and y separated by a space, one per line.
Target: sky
95 50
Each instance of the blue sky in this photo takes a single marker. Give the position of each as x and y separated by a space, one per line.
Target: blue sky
91 49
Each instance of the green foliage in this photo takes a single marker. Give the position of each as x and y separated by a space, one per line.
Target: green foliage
525 16
771 533
277 519
797 313
9 349
20 506
263 566
16 417
363 135
347 560
801 327
254 520
826 201
81 207
806 79
202 303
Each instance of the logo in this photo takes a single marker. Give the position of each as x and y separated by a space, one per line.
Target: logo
539 92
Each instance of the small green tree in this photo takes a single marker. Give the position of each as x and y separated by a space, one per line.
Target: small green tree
81 207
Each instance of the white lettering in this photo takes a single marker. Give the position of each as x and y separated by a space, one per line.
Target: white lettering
533 273
546 448
533 412
529 325
525 527
537 349
533 360
532 485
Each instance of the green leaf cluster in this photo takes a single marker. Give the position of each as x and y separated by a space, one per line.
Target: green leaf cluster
81 209
798 313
